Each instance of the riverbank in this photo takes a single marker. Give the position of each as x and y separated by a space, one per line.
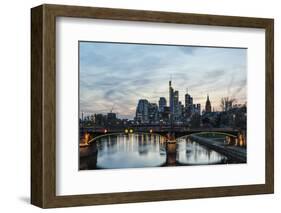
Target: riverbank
234 153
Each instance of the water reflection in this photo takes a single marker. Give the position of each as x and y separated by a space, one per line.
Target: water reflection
130 151
189 152
144 150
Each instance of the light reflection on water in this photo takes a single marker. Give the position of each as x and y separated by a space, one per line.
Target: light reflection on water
131 151
192 153
144 150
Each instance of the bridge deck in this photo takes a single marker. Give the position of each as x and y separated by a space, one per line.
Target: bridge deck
177 132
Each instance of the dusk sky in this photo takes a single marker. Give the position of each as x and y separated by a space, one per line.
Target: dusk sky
114 74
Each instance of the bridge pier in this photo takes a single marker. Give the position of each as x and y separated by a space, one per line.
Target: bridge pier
171 150
88 157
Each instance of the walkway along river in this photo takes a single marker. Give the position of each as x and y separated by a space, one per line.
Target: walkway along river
152 150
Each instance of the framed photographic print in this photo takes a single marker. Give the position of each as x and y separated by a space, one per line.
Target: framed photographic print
137 106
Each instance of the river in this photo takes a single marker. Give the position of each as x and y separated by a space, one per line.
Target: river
144 150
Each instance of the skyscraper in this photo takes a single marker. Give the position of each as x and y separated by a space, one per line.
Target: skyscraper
188 104
171 101
153 114
198 108
162 104
208 107
181 110
176 106
142 112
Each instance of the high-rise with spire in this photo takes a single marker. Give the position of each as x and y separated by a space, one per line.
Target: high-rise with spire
208 107
171 100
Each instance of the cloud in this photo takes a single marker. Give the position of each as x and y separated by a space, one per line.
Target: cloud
120 74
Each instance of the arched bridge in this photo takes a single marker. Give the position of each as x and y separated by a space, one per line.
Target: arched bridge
176 132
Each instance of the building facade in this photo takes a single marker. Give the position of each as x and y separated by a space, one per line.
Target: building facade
171 101
188 105
162 104
142 112
153 115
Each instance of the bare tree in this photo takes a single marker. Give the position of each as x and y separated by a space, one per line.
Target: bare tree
227 103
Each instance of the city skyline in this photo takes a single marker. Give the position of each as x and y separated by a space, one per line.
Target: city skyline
118 75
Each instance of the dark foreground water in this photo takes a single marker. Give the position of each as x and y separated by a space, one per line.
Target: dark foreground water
145 150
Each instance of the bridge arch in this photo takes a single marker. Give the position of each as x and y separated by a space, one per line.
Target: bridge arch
102 135
207 132
123 134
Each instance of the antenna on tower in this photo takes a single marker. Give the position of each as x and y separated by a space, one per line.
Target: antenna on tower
170 81
112 108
